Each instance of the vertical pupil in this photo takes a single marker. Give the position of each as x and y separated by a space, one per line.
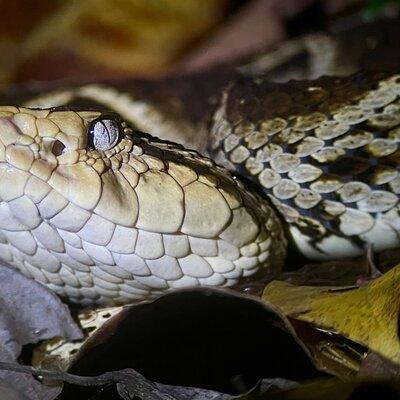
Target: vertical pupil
103 134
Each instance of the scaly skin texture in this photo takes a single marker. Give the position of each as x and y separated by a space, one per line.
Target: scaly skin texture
128 223
325 152
147 216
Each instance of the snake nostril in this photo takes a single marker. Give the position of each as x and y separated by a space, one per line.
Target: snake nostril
58 148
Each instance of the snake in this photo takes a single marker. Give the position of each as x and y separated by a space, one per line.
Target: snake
100 204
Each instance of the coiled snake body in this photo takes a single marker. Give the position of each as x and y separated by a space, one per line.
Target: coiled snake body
104 214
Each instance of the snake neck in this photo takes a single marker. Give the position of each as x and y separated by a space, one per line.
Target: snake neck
325 152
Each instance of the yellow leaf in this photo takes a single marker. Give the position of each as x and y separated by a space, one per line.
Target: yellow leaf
367 315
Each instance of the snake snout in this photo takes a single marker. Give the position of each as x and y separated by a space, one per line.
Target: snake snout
16 148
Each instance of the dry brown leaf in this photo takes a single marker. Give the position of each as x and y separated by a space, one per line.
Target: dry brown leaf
185 328
128 36
375 367
335 389
367 315
142 36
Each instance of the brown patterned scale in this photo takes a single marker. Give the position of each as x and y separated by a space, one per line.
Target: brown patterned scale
324 151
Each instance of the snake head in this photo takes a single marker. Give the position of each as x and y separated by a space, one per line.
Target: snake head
69 151
104 214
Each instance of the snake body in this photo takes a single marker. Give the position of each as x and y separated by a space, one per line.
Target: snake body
104 214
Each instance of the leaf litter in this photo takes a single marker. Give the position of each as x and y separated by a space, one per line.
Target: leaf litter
176 348
29 313
367 315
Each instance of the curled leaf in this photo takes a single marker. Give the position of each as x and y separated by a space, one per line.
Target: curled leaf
211 339
367 315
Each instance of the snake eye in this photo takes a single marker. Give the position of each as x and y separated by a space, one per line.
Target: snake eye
104 133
